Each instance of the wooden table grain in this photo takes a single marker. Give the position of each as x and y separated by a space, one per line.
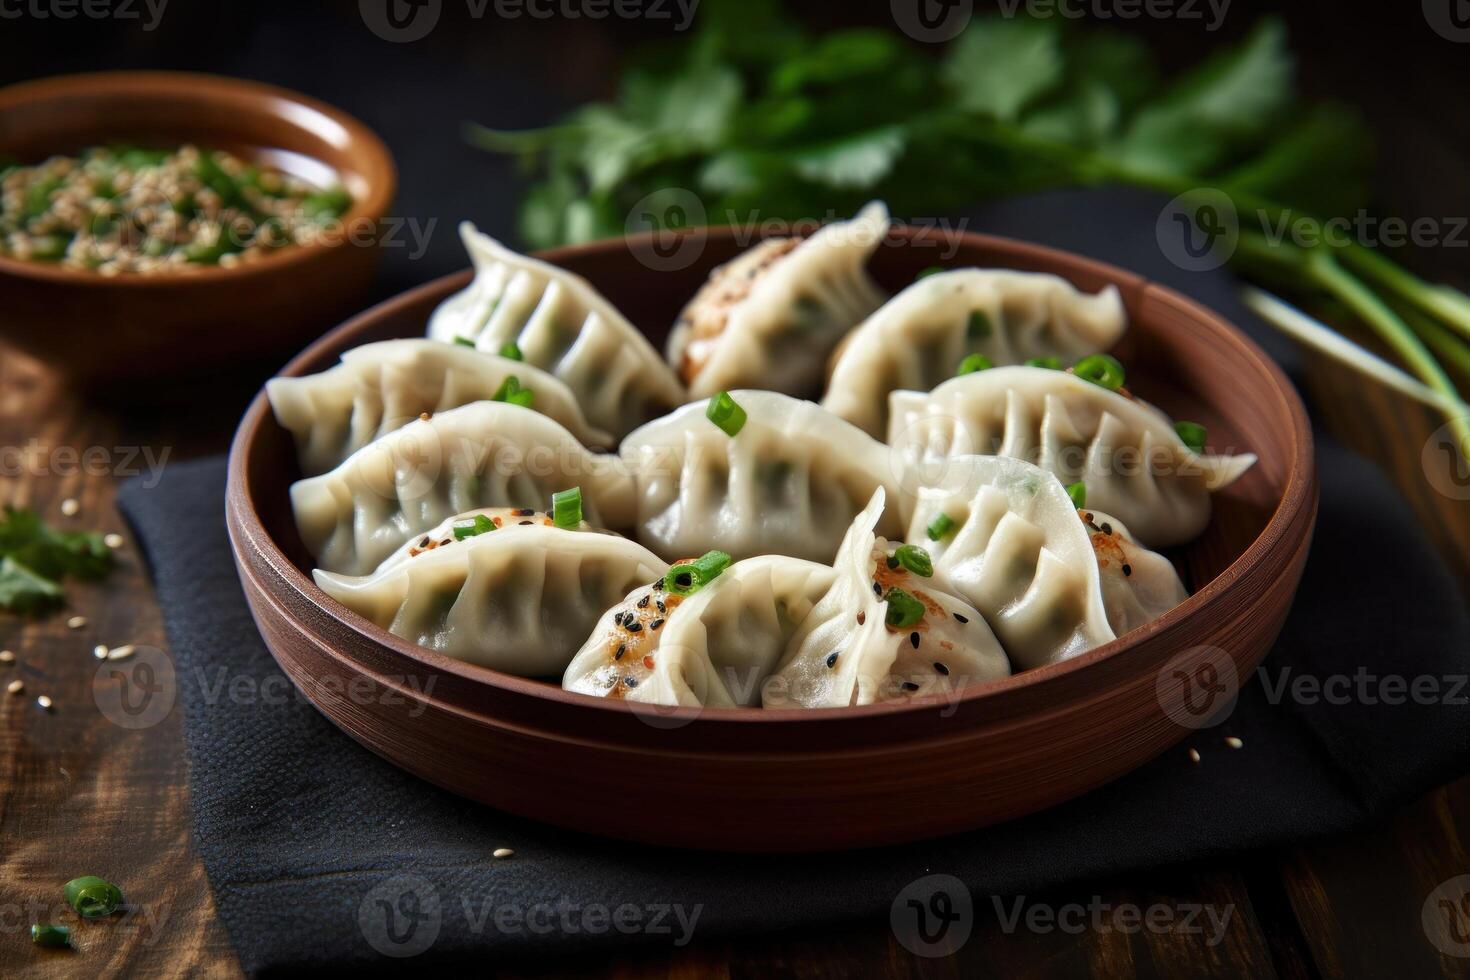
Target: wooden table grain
81 795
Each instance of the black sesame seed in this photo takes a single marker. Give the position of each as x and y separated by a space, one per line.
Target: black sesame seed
635 627
630 681
655 624
910 686
943 670
525 512
643 603
425 542
660 604
862 618
622 649
892 562
832 658
525 523
960 618
877 590
1127 569
914 640
1107 528
658 586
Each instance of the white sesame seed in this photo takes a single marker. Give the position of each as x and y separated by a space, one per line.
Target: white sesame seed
1234 742
44 703
1194 755
7 657
15 686
76 622
122 652
501 853
100 651
113 540
69 507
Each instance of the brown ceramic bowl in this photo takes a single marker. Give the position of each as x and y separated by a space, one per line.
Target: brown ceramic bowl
133 328
791 780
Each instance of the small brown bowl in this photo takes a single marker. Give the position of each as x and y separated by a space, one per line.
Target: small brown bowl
133 328
792 780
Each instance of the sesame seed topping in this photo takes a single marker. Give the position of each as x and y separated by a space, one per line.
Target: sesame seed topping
15 686
832 658
69 507
643 603
862 618
501 853
76 622
960 618
1234 742
526 523
630 681
622 649
635 627
942 670
877 590
7 657
914 639
524 512
43 702
122 652
113 541
1127 569
910 686
1194 756
1107 528
655 624
100 651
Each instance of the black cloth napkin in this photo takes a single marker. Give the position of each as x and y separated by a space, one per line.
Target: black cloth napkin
322 854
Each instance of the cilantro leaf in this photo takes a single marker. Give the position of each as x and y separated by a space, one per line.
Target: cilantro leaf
860 160
998 66
23 591
49 552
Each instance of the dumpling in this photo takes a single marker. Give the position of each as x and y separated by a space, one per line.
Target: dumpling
462 527
486 454
519 599
789 482
1124 450
383 386
711 648
561 324
1005 537
770 317
883 631
919 337
1138 585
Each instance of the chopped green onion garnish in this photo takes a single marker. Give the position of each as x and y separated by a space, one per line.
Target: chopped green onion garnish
566 508
1078 492
92 897
512 392
464 341
54 936
689 577
510 350
940 526
1050 363
903 609
726 414
930 271
480 525
915 559
1193 434
973 363
1102 370
979 326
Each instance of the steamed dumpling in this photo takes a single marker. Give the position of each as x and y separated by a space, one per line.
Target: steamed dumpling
1005 537
711 648
561 324
486 454
788 483
918 338
519 599
383 386
1124 450
850 651
770 317
1138 585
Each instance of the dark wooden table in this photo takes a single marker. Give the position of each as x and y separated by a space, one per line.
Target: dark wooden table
81 795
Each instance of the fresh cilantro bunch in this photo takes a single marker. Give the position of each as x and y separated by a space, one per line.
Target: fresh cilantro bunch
758 119
34 557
